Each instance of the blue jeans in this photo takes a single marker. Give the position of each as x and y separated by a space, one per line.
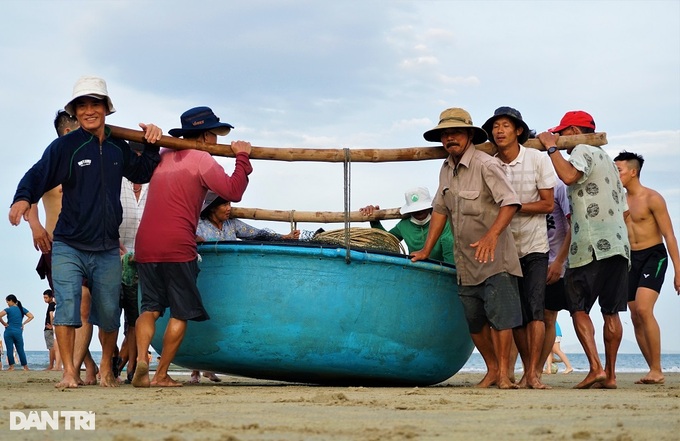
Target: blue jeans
14 338
103 272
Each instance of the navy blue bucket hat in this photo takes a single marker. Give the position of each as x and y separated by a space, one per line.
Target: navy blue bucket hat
515 116
198 120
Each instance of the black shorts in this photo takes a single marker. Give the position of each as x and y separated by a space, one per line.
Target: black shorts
171 285
493 302
556 296
532 286
648 269
603 280
44 268
129 303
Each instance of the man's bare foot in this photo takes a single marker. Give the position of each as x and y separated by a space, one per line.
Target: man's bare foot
212 377
26 368
568 371
537 384
165 381
11 368
522 384
488 381
108 380
592 378
67 381
505 383
652 378
141 377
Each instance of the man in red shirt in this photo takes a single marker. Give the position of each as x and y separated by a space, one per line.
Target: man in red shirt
165 246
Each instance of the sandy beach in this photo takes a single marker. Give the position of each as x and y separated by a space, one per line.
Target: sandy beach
247 409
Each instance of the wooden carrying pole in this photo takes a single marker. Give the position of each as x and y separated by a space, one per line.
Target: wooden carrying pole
335 155
311 216
338 154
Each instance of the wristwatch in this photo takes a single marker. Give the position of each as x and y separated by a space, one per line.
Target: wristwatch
552 150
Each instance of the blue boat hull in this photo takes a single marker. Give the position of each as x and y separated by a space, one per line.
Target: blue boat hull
302 314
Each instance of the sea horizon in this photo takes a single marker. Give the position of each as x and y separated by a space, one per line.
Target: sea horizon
626 362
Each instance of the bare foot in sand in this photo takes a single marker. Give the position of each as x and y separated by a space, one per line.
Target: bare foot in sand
164 381
11 368
68 381
652 378
26 368
141 377
108 380
506 383
91 377
488 381
568 371
591 378
537 384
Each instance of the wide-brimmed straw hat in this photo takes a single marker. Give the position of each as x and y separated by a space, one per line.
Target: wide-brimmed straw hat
577 118
515 116
93 87
199 120
455 118
417 199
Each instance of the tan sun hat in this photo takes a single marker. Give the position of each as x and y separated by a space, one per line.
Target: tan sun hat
417 199
94 87
455 117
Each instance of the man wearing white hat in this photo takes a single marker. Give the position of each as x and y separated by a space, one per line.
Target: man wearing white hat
477 198
413 230
90 165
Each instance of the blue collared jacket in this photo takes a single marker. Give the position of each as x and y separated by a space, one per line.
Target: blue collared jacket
90 175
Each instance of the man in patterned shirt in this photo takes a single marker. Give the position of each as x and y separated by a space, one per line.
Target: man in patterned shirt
599 253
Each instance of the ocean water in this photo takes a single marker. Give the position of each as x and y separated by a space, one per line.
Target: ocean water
38 360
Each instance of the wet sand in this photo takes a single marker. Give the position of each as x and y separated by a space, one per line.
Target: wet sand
247 409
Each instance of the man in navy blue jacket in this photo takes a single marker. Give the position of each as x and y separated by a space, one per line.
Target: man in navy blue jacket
89 165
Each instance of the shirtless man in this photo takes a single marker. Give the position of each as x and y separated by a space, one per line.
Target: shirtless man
42 240
647 220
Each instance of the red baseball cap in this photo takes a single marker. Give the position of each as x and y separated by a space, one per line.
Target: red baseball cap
577 118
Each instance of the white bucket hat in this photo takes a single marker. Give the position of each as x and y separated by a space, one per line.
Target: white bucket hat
417 199
94 87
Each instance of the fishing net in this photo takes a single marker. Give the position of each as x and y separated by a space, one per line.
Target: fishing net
359 238
364 238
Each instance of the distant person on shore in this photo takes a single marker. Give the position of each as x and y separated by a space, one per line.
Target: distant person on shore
561 356
476 196
414 228
599 253
165 247
649 224
54 358
14 330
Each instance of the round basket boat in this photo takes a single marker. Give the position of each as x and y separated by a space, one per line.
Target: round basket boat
318 314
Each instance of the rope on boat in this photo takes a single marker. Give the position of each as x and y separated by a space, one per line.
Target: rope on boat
347 165
293 223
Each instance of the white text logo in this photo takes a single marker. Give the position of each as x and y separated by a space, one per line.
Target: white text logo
72 420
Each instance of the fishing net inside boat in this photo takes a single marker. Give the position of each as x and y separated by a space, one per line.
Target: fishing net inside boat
368 238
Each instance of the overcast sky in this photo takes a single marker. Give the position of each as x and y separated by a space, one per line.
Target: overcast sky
344 74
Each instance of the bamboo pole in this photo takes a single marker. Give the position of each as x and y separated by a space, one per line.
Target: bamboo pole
338 154
311 216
